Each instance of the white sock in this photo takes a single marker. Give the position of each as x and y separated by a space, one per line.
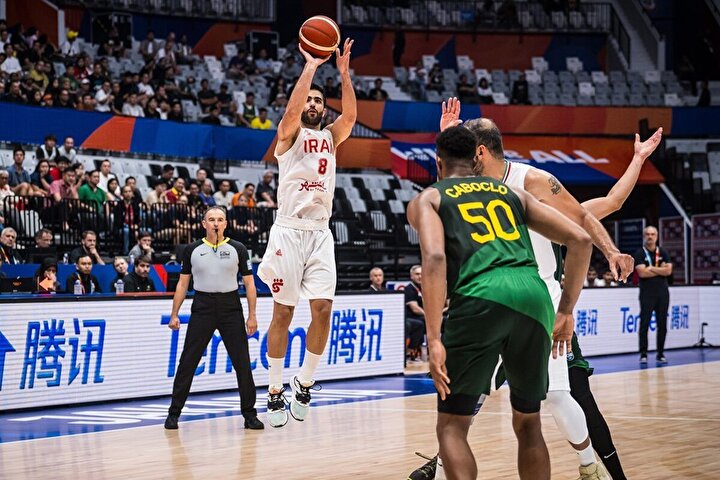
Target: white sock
570 419
439 472
587 456
307 371
275 371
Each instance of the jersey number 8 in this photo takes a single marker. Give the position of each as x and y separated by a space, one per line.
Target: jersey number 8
490 220
322 166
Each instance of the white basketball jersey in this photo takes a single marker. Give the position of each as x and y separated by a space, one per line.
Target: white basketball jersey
544 254
306 185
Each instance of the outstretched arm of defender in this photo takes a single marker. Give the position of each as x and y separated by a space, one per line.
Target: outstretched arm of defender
558 228
614 200
343 125
290 123
424 218
546 188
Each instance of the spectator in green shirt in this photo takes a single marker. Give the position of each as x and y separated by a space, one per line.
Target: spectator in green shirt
91 194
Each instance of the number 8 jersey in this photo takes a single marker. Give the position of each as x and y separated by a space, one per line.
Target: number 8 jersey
306 184
485 230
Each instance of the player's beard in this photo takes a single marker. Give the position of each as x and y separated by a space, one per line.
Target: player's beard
313 122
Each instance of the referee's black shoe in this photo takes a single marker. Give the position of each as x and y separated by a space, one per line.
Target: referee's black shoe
171 422
253 423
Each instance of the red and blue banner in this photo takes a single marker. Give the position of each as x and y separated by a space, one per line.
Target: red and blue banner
573 160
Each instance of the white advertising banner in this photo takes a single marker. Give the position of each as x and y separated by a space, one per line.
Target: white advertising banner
64 352
607 320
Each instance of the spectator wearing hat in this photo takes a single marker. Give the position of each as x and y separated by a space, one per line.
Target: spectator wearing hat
70 48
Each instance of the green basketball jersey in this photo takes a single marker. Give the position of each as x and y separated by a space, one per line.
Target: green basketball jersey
486 237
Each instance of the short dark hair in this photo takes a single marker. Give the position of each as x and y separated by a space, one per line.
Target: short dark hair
50 137
18 148
262 110
320 89
456 147
487 134
63 159
130 178
82 255
249 185
144 234
215 207
168 168
144 259
41 232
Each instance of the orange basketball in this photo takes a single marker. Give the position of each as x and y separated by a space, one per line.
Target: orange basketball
319 36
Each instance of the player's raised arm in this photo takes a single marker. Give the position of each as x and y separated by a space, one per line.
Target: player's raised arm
290 123
343 125
603 206
450 116
546 188
424 218
560 229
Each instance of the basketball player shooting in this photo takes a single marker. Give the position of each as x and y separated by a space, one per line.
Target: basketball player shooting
300 257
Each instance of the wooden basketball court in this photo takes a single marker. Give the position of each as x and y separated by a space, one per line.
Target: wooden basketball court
665 424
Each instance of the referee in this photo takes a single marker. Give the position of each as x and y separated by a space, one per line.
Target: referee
214 263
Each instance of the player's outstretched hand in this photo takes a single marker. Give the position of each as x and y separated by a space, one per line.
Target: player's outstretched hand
438 370
310 60
450 114
622 262
562 334
343 60
646 148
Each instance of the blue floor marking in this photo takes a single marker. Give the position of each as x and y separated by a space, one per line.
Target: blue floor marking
56 422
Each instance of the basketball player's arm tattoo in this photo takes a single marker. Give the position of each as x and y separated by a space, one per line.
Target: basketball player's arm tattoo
555 186
537 182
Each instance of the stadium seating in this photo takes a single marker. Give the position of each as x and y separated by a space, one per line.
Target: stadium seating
570 87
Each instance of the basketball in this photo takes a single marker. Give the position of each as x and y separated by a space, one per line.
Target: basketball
319 36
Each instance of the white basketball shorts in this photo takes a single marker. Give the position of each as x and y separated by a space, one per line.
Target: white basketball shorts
299 263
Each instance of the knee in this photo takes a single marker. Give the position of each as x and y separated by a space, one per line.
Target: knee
526 424
282 316
321 309
554 400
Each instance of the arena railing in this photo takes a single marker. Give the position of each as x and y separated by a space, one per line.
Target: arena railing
170 224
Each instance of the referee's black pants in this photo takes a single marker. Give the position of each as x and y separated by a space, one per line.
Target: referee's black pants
659 303
211 311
